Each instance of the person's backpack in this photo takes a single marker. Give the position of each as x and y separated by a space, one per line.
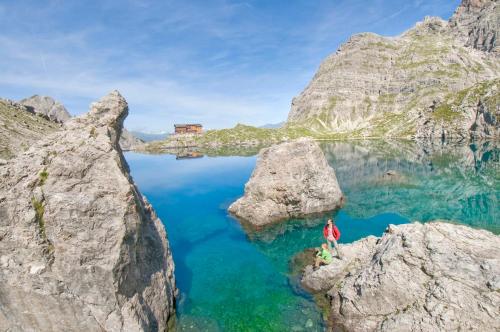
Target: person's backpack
336 233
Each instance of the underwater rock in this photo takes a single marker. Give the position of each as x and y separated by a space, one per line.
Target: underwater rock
416 277
290 180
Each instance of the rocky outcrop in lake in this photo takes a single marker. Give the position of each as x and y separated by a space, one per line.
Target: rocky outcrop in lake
80 248
416 277
290 180
47 106
376 86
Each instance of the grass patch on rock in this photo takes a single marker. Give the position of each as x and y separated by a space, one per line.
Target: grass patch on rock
42 177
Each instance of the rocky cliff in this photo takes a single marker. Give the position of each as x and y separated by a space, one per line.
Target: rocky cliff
472 113
416 277
290 180
477 23
80 248
376 86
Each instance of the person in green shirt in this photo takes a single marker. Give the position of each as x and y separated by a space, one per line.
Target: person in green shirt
323 256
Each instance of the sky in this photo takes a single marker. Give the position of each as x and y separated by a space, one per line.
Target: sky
214 62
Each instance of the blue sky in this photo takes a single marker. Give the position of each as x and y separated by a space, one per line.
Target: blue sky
216 62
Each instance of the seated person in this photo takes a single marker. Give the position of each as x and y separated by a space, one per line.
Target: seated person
323 257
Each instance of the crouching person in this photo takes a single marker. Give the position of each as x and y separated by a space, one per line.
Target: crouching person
323 257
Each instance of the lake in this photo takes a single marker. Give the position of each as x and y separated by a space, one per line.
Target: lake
233 281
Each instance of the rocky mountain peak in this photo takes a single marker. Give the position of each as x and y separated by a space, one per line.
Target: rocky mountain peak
375 86
48 107
111 109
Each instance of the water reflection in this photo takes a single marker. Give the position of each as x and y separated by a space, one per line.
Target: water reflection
432 180
216 151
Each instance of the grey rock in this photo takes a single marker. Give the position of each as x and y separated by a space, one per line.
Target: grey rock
80 248
290 180
477 24
416 277
52 109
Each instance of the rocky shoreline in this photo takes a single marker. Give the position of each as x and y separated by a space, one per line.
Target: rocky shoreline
416 277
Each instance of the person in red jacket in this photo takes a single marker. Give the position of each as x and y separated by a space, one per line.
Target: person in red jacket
332 234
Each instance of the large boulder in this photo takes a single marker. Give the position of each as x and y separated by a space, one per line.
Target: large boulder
46 106
290 180
417 277
80 248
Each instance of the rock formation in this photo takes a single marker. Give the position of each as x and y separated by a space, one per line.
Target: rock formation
20 128
53 110
416 277
80 248
477 23
376 86
290 180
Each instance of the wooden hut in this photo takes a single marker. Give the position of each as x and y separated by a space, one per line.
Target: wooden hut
188 128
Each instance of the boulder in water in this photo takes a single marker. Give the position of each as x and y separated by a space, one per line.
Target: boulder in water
291 180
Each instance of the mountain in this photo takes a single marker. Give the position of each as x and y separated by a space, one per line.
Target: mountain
128 142
52 109
376 86
273 125
148 137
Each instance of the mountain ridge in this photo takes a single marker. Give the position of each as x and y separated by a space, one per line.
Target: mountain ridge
371 78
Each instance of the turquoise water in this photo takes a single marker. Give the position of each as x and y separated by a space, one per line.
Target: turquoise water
233 281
